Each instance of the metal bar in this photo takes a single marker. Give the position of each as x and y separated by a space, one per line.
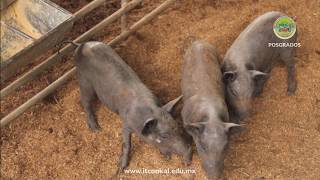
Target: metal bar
143 20
53 59
56 84
124 25
88 8
36 98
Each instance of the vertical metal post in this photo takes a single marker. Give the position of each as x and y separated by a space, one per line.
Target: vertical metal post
124 25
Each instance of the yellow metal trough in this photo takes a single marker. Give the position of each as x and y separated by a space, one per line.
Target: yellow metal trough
28 29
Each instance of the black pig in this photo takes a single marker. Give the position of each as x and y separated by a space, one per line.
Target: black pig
104 74
205 114
249 60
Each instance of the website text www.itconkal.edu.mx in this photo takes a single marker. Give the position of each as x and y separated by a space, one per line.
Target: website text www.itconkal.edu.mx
159 171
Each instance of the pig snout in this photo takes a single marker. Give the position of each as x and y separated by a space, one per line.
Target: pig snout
187 155
244 106
179 145
214 169
184 149
240 107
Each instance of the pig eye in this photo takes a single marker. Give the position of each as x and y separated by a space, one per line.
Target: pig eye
229 76
223 117
164 136
203 147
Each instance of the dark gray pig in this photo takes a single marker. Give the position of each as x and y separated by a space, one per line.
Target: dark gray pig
205 114
104 74
249 60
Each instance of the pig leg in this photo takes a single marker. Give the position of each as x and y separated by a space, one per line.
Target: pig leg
188 157
287 57
166 154
87 95
259 87
259 83
292 82
126 147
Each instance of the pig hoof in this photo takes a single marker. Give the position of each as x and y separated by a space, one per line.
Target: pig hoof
118 173
95 128
187 159
186 162
167 157
123 163
291 91
120 170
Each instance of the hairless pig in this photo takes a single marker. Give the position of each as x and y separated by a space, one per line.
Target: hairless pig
103 74
205 114
249 60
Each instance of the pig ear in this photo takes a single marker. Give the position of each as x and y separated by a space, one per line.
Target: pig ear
229 76
149 126
257 75
170 105
230 125
232 128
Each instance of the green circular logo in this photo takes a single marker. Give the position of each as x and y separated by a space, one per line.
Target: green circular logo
284 27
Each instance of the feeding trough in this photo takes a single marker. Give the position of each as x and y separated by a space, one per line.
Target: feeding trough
28 29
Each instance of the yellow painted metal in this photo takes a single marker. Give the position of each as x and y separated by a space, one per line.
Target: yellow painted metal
29 28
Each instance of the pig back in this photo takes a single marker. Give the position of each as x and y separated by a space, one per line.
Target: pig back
201 72
114 82
252 45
